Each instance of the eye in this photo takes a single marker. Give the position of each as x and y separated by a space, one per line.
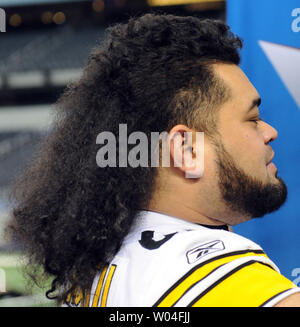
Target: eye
256 120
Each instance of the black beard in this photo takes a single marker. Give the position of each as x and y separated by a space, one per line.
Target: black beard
244 194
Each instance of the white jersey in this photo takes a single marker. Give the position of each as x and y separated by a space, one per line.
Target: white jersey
169 262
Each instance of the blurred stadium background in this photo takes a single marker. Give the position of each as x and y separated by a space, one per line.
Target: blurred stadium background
45 46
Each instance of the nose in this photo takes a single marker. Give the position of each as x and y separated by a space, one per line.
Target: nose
269 133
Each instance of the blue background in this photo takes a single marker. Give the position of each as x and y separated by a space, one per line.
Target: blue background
268 20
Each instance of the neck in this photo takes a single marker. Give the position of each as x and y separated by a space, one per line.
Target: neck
178 209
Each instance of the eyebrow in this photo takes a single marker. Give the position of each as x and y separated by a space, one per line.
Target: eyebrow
255 103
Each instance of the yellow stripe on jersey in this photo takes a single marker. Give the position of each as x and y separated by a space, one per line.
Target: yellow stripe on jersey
107 285
249 285
99 287
198 273
86 300
103 286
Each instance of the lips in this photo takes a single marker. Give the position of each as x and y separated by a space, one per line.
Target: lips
273 154
270 165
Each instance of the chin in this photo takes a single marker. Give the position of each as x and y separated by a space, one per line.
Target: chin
273 177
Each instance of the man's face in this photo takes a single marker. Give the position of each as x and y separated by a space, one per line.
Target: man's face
248 179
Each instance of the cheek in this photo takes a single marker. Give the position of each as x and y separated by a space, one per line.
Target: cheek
210 166
247 150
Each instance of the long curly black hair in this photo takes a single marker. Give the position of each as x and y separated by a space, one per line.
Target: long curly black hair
150 73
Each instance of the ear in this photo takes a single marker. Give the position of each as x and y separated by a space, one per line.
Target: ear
187 150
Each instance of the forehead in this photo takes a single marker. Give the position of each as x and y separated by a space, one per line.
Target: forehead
241 89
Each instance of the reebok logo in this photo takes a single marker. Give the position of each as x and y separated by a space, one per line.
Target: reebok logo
204 249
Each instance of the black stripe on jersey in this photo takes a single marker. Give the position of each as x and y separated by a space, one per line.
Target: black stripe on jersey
201 265
251 262
198 281
273 297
